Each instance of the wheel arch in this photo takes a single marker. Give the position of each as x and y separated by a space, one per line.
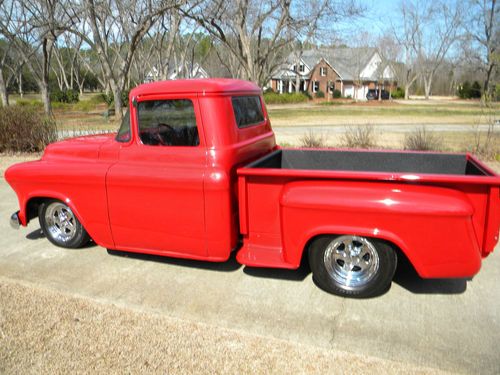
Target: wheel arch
388 237
34 200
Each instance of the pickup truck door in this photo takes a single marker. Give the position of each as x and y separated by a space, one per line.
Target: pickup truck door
155 190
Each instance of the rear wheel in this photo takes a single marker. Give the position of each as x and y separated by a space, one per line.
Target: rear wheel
352 266
61 226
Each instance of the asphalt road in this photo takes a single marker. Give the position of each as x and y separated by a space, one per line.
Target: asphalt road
451 325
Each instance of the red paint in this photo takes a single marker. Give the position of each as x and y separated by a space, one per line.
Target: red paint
198 202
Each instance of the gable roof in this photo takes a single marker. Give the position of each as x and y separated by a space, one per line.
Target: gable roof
347 62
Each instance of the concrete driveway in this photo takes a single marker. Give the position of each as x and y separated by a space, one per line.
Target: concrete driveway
451 325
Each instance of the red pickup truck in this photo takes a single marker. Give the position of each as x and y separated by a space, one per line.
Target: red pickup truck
194 172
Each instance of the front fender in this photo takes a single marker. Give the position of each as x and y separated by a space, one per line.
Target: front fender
81 185
431 225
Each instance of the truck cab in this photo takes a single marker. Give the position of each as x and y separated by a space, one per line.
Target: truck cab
180 146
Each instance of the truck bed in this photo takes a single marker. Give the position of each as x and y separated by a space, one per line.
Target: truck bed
290 196
372 161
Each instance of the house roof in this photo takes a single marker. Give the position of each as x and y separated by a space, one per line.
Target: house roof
347 62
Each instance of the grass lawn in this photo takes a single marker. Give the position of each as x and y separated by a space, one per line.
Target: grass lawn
445 112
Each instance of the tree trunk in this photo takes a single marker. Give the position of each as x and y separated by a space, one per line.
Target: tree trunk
428 85
486 87
45 96
44 81
297 76
20 84
407 92
117 95
3 91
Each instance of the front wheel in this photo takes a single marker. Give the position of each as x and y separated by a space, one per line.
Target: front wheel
61 226
352 266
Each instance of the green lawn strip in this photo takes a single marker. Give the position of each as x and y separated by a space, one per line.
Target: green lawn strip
389 111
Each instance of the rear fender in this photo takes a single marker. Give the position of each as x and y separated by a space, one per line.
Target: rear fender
431 225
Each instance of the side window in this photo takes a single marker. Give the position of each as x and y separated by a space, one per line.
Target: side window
124 131
247 110
167 123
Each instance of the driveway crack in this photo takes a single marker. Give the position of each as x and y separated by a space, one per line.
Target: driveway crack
336 322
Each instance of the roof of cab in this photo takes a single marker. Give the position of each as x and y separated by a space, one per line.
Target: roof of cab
208 85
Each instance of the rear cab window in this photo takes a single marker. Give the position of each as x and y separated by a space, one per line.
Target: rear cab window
247 110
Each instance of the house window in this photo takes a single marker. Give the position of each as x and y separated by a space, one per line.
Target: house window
302 68
322 71
315 86
331 87
294 67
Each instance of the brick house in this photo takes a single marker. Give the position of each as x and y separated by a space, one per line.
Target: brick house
352 71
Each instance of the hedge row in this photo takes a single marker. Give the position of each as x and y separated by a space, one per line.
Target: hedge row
274 98
23 129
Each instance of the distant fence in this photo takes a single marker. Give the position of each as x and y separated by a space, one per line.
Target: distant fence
71 133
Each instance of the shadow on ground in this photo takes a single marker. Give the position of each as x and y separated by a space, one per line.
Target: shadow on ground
35 235
38 234
407 277
230 265
281 274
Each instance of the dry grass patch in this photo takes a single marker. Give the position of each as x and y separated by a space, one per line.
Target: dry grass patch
47 332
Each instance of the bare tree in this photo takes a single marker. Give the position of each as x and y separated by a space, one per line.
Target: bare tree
483 33
407 34
8 69
389 52
258 33
440 35
427 31
116 30
33 29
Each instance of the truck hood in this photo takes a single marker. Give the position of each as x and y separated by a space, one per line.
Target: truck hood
86 147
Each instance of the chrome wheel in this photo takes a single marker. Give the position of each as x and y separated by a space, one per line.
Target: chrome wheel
60 222
351 261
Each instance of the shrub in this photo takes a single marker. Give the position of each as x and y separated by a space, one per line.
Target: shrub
486 143
359 137
336 94
66 96
313 140
422 140
497 92
320 94
399 93
468 91
22 129
274 98
72 96
475 91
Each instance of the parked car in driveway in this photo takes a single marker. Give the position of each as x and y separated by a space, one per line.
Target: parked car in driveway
372 94
194 172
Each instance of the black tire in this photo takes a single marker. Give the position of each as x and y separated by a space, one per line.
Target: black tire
69 232
337 268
